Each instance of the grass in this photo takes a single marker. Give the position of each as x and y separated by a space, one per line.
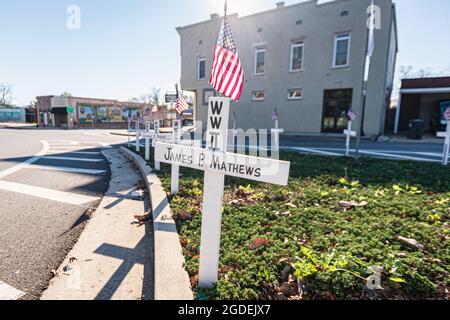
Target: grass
300 242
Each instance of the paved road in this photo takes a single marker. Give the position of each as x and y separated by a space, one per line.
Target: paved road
429 152
415 151
50 180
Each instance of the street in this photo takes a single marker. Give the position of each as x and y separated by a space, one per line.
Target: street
428 152
50 181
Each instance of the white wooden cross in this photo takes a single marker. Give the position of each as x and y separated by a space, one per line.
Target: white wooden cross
175 172
152 135
156 128
216 162
349 133
276 132
447 138
129 131
138 137
147 140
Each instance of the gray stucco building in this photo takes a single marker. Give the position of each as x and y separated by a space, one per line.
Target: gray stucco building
306 60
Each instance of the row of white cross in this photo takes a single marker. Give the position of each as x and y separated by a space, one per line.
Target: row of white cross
216 162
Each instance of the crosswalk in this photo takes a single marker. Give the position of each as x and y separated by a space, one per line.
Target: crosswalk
59 156
63 173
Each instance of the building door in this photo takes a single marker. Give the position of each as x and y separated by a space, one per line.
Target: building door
336 105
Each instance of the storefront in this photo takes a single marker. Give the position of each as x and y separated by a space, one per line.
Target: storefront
425 99
72 112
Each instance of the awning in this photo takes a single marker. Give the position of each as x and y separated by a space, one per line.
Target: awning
59 110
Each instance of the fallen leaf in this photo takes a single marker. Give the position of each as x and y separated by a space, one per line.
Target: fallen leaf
141 220
194 280
352 204
291 205
258 243
72 259
184 215
288 289
412 243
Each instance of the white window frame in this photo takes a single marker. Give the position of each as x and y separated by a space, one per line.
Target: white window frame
338 37
200 59
258 99
293 46
258 50
297 98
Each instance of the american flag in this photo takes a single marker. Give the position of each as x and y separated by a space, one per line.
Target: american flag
227 75
351 115
181 104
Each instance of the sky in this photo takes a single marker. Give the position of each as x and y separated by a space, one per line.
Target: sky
125 48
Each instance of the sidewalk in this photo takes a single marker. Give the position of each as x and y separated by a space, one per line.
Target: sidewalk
113 259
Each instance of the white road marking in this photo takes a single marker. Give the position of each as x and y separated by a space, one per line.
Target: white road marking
44 150
382 154
9 293
72 159
105 145
311 150
73 143
65 169
49 194
74 152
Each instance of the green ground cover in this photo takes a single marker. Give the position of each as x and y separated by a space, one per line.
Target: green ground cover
317 237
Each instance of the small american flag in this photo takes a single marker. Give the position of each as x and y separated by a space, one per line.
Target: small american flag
275 115
227 75
351 115
181 104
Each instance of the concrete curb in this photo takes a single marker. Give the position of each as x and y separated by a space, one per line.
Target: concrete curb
171 279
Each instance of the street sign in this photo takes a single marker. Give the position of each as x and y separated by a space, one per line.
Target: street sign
216 162
70 110
171 97
232 164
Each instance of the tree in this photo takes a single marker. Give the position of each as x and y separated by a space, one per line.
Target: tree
5 94
409 72
66 94
155 95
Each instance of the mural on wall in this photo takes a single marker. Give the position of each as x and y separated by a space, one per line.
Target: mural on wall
86 115
102 114
116 114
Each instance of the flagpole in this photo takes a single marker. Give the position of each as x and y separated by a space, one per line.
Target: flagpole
360 132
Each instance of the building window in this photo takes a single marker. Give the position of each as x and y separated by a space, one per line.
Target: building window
260 61
259 95
295 94
296 56
344 13
341 50
201 69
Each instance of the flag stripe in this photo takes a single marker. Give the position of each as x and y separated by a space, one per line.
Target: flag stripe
227 75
